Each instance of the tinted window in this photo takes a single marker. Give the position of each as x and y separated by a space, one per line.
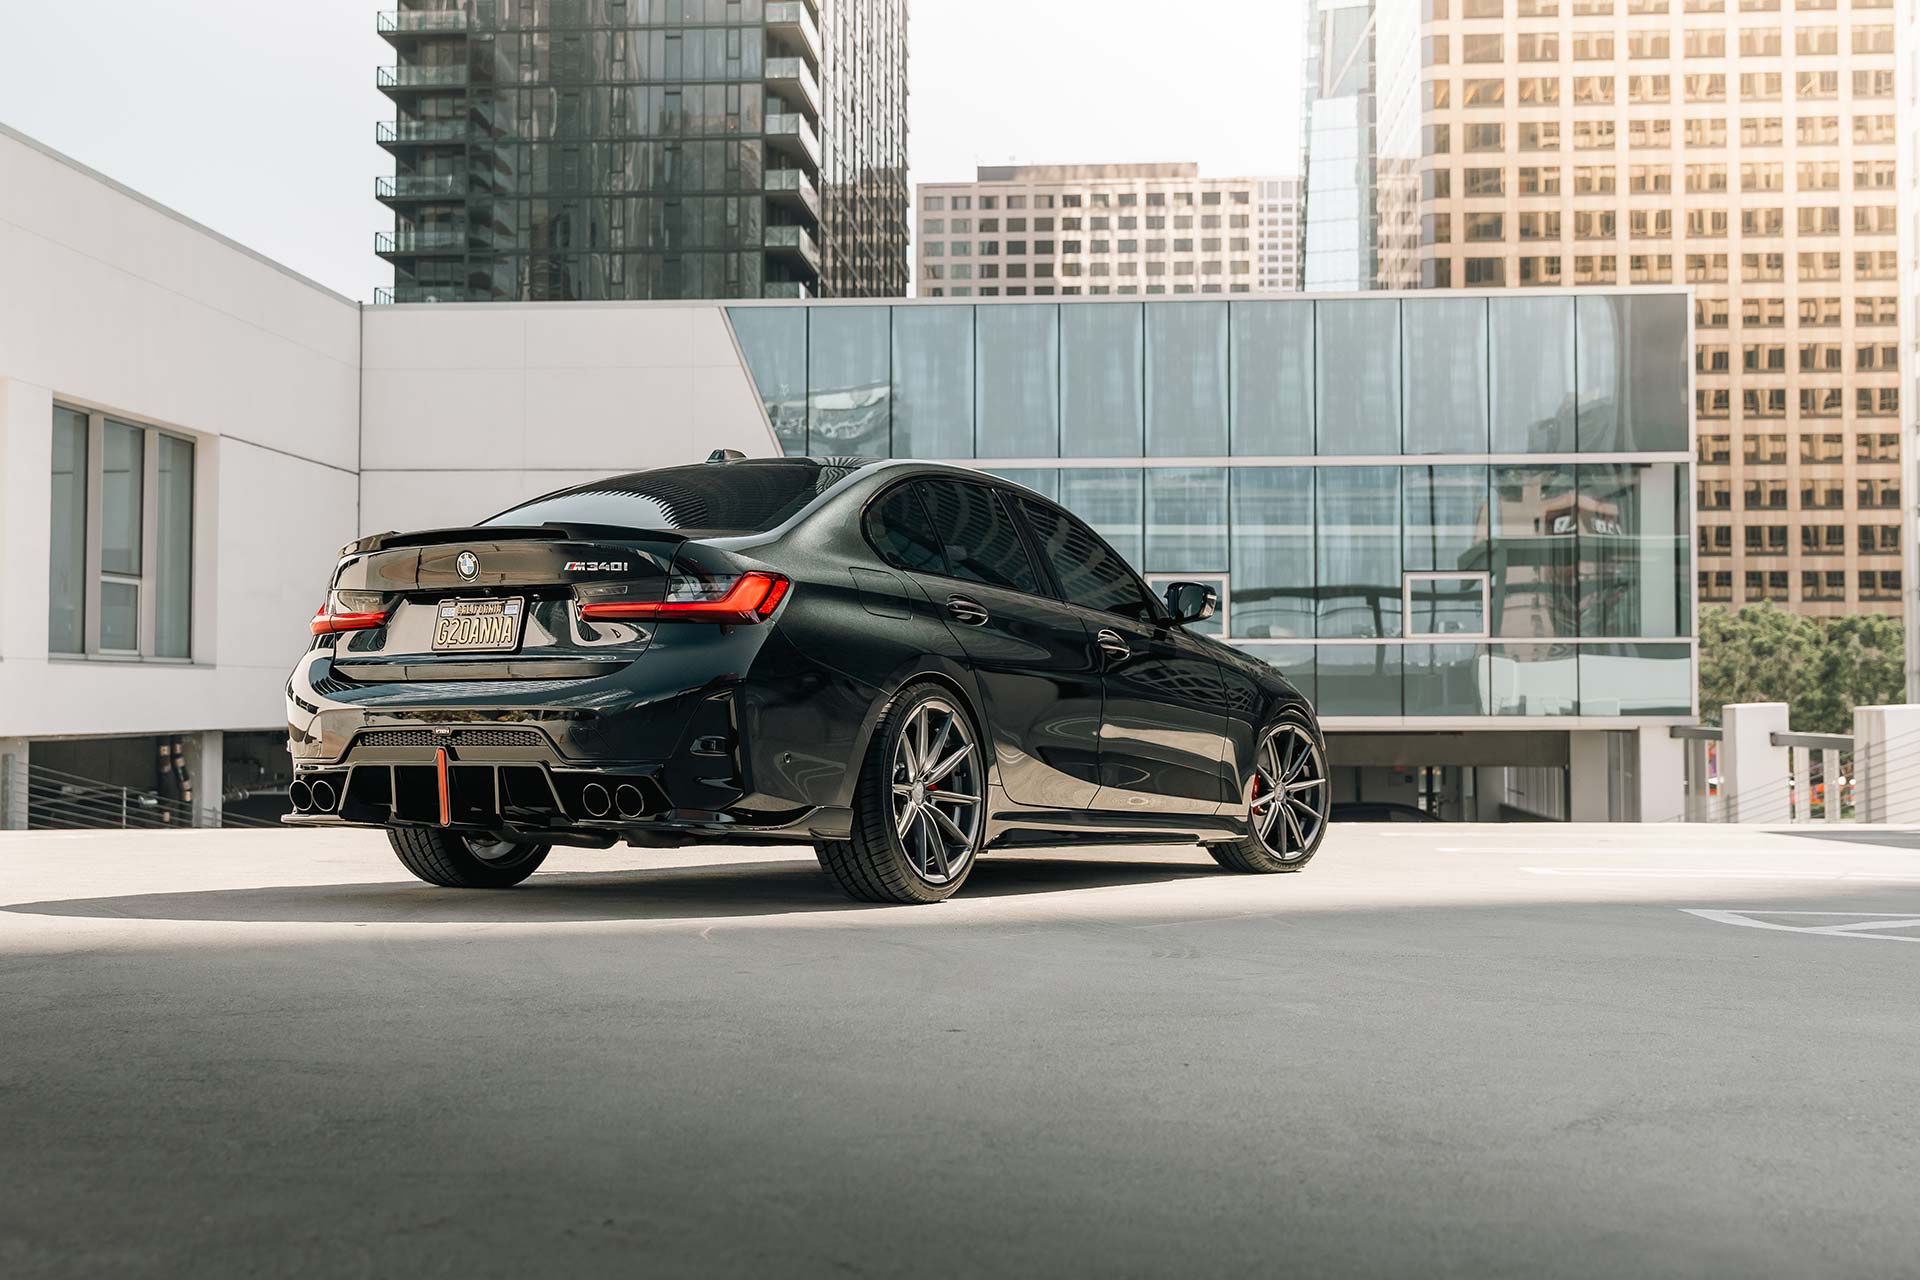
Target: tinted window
737 497
1090 573
900 531
983 545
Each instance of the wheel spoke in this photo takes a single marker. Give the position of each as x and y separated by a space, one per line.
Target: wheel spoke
933 850
1305 784
950 828
939 743
906 819
953 797
1293 827
903 789
1265 800
952 762
920 726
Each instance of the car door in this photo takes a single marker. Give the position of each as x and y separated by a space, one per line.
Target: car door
1163 722
1039 675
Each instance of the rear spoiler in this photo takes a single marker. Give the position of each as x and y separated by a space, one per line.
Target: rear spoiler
506 533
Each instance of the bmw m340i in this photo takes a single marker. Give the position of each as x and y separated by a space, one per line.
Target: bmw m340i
902 664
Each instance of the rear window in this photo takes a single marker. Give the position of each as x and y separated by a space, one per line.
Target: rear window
712 498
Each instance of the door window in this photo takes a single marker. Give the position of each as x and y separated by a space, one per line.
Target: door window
900 531
1091 574
982 542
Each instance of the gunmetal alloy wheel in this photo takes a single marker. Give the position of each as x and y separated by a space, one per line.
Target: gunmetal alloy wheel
936 779
1291 794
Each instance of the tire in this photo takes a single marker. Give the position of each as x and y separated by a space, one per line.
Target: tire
450 860
1254 855
876 864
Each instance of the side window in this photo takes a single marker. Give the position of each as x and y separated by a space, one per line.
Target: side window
983 544
899 529
1091 574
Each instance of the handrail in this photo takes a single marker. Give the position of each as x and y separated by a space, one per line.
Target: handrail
1814 741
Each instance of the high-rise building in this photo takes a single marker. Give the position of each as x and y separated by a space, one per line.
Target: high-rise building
1744 147
1907 128
1337 161
593 149
1277 235
1020 230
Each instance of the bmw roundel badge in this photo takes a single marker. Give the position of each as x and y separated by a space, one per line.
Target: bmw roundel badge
469 565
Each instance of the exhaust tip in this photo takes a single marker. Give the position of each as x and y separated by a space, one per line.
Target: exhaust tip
323 797
595 800
301 796
629 800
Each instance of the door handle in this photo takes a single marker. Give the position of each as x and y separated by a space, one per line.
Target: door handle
1112 645
966 611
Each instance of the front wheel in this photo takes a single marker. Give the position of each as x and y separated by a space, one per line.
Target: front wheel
455 861
1287 802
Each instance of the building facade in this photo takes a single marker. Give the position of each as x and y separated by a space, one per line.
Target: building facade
1745 148
1338 238
630 149
1039 230
1907 128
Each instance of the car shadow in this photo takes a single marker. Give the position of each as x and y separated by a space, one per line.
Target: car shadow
706 892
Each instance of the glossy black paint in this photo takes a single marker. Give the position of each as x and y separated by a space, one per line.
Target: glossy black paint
757 732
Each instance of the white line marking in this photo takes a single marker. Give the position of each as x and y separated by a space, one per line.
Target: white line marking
1873 920
1709 873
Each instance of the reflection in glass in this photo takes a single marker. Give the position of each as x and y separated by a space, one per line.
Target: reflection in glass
1017 381
1101 370
1295 662
1446 517
1272 530
1447 606
1187 380
1273 378
67 585
119 616
1358 679
1633 373
1359 552
1532 554
1532 359
1040 479
1446 374
1357 376
173 548
1110 499
774 341
848 383
1186 509
1636 680
1445 680
122 475
1634 553
1533 679
932 382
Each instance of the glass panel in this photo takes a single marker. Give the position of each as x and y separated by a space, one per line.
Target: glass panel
932 382
1273 378
1359 553
1017 381
1634 552
1357 377
983 544
1112 501
1039 479
1295 662
1633 373
173 549
1446 517
1636 680
849 382
1532 355
1101 370
1186 532
774 341
122 478
1446 680
1446 375
1273 537
1533 679
119 616
900 531
1358 679
67 587
1447 607
1187 379
1090 574
1532 557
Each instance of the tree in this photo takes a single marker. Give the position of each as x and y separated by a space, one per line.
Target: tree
1823 670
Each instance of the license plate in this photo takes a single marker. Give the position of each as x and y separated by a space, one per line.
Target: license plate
477 626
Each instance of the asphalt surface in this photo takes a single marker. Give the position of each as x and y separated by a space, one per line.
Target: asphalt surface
1466 1051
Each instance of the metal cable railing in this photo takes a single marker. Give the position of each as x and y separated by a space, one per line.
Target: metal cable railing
37 798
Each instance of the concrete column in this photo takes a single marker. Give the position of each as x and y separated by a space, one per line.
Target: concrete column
1886 763
1754 772
1663 776
1589 788
13 784
206 764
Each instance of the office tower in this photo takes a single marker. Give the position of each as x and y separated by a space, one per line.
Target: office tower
1337 162
594 149
1277 234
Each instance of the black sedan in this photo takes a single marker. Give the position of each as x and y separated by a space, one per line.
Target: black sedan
900 663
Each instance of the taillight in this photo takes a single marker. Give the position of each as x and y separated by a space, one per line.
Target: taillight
750 597
349 611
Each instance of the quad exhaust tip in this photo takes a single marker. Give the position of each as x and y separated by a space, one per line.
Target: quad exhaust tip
301 796
595 800
628 799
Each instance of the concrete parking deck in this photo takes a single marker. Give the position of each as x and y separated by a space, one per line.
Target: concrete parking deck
1473 1051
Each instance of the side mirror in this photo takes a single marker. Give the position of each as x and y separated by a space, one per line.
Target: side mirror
1191 601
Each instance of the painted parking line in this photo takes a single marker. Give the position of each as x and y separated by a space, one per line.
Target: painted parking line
1724 873
1846 924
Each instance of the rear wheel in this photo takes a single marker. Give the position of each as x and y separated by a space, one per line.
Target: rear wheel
1287 802
456 861
918 806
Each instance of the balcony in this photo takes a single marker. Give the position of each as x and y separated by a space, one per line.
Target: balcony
420 293
795 26
795 290
422 22
419 242
794 243
794 81
436 186
408 77
396 133
791 189
793 136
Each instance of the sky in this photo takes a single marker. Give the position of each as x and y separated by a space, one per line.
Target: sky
257 119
